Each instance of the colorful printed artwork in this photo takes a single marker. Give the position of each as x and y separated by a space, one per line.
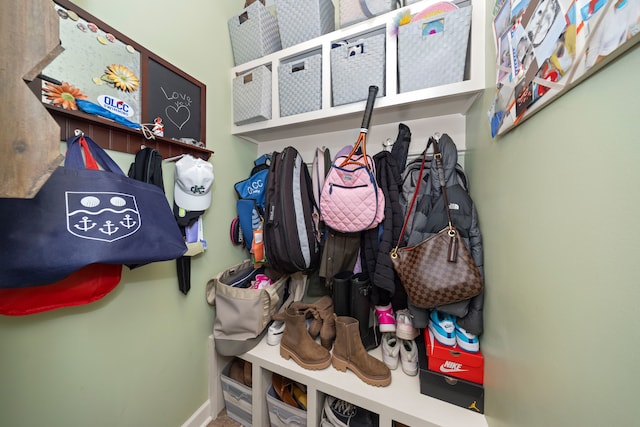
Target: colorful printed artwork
550 46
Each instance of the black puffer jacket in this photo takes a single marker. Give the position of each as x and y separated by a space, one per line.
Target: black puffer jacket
378 242
431 217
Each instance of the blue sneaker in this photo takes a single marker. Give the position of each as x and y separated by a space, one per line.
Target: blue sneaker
467 341
443 327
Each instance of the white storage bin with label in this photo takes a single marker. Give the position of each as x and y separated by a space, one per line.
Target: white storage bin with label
302 20
433 51
282 414
237 398
300 84
353 11
355 65
252 96
253 33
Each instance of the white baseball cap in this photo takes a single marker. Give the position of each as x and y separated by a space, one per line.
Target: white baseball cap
193 179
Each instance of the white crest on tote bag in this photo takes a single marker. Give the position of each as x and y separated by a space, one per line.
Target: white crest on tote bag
102 216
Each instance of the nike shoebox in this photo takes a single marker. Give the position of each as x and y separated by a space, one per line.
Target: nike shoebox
456 391
453 361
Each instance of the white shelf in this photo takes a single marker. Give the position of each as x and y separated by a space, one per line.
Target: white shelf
400 401
394 107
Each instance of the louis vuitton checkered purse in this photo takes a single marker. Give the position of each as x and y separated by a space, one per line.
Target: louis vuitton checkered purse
439 270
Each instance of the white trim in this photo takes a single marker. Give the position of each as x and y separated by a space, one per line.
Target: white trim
200 418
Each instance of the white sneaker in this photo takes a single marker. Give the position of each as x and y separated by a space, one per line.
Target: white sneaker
409 357
390 350
275 331
404 325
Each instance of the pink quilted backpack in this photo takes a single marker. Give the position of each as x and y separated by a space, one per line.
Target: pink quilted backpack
351 200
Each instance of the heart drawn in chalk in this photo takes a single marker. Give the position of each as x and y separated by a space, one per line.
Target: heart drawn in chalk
177 117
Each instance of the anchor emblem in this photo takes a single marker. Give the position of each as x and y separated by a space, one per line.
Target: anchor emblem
103 216
109 231
85 221
128 222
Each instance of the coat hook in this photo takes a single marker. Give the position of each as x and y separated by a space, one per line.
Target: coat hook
78 132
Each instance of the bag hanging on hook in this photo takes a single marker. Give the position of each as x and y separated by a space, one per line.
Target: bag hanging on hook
439 270
82 217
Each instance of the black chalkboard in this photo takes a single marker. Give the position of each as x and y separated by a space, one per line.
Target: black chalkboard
176 100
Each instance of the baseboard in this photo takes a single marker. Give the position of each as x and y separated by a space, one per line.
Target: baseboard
200 418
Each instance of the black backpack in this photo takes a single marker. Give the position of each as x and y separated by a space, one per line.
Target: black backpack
290 238
147 167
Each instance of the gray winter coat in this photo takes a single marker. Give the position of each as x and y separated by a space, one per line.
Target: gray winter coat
430 217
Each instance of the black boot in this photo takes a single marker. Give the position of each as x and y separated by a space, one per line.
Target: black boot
341 293
360 308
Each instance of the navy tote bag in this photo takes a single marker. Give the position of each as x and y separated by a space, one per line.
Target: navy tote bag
81 217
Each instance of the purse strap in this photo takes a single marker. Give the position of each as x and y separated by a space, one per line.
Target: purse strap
437 155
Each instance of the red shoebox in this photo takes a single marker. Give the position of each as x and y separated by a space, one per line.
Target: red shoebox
453 361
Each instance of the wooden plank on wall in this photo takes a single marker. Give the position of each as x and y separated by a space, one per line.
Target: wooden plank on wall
29 136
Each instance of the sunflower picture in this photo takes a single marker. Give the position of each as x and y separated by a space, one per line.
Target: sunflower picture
121 77
63 95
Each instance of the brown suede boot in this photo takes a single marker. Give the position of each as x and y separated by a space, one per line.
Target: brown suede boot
324 306
312 313
322 322
348 352
297 343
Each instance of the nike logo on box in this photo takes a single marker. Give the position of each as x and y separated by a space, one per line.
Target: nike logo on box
448 367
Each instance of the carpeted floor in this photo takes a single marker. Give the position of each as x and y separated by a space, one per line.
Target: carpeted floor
223 420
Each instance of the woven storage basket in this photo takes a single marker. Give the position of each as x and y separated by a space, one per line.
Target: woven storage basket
439 56
302 20
282 414
300 85
254 33
353 11
252 96
355 66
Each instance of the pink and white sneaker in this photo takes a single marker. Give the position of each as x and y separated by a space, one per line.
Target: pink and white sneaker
404 325
386 319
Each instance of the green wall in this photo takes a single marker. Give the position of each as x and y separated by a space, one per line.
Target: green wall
558 201
138 357
557 198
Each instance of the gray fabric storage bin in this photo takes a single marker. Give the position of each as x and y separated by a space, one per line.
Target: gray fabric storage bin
302 20
253 33
237 398
357 65
433 59
282 414
252 96
300 85
354 11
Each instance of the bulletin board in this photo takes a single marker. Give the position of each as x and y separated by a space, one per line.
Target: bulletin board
126 84
546 47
